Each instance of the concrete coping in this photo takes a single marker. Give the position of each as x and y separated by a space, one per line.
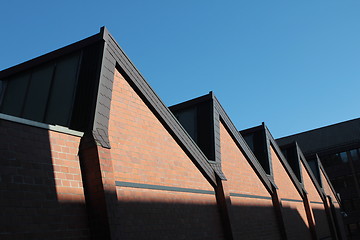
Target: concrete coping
55 128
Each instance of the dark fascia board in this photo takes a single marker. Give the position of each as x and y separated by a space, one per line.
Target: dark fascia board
191 102
52 55
310 172
284 162
137 81
321 167
141 86
245 149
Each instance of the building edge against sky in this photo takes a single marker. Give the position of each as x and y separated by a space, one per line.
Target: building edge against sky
89 151
338 148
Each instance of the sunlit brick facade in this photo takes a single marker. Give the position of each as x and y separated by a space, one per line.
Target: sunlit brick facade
89 151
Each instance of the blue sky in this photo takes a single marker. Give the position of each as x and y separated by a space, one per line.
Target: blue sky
294 65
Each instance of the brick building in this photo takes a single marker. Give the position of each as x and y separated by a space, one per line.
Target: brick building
89 151
338 148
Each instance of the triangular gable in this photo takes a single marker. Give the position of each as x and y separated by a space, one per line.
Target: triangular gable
310 172
113 54
185 111
93 93
284 162
291 154
270 142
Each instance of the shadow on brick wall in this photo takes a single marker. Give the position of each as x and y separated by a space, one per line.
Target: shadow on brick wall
156 220
31 208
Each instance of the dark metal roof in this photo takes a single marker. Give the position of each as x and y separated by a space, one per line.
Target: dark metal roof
332 138
113 56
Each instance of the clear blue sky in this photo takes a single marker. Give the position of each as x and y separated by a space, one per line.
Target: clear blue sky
293 64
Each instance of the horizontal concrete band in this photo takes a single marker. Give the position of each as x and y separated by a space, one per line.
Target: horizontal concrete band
55 128
193 190
162 188
291 200
249 196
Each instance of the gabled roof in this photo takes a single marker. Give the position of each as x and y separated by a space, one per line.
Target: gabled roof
278 152
138 82
243 145
219 114
308 169
301 159
111 56
284 162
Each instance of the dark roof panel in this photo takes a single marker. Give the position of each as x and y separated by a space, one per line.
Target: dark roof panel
325 138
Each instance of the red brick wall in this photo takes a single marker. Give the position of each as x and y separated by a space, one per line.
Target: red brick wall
143 152
41 194
296 223
317 205
252 218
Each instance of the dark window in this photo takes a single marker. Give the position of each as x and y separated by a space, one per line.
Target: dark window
188 119
315 169
62 91
38 93
354 154
343 156
258 144
249 139
44 94
293 160
15 94
198 122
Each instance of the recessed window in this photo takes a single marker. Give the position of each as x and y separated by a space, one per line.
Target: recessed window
344 157
44 94
354 154
188 119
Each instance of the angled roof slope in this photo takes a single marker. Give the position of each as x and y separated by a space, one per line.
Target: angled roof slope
300 158
218 114
270 141
90 101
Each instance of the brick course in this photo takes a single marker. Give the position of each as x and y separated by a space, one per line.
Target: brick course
41 192
297 226
144 152
253 218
